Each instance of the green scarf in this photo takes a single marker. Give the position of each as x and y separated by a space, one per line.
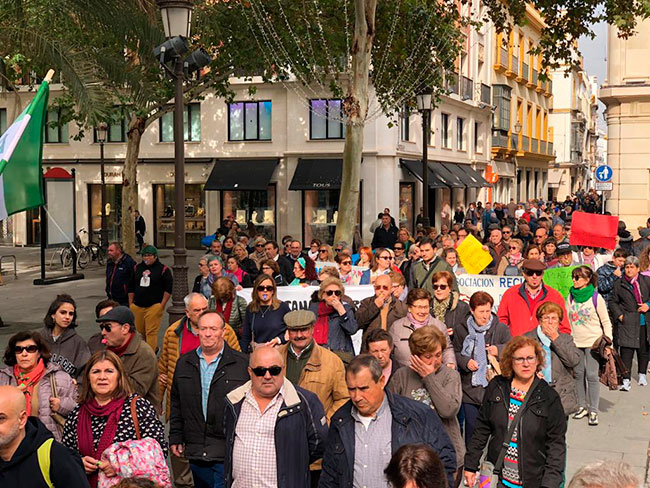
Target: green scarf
440 308
583 294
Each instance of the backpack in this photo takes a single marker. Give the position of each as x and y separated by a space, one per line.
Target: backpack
512 270
43 454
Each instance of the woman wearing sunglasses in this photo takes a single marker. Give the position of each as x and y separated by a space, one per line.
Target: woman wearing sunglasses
335 324
49 391
510 264
589 255
446 305
325 253
314 246
382 262
264 320
348 276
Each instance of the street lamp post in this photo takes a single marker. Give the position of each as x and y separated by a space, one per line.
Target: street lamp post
423 100
102 131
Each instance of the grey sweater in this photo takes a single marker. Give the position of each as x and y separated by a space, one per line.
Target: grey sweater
69 350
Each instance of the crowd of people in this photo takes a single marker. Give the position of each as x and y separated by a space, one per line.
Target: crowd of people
442 391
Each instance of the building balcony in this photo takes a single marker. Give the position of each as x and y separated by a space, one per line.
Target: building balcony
466 88
451 83
543 147
513 69
535 146
523 75
499 138
501 59
549 89
486 94
532 83
525 143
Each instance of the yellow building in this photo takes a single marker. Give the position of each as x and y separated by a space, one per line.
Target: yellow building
522 142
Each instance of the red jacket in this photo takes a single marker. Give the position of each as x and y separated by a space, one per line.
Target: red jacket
518 312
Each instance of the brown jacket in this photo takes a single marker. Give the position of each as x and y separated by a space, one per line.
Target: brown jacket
139 362
171 350
368 316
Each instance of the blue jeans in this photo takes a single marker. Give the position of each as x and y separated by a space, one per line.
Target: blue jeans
208 475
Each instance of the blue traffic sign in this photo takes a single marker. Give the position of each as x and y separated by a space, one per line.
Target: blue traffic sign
604 173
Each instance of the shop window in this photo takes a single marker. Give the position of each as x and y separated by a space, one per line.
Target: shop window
113 212
55 133
249 121
256 206
406 203
3 120
191 124
321 213
164 201
326 119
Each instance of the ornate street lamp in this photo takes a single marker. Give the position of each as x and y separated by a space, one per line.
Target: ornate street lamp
423 101
177 17
102 132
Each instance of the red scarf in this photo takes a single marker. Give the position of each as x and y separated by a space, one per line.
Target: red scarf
189 341
322 326
27 381
122 349
228 309
85 441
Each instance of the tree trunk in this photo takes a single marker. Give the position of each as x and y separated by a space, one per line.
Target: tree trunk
356 109
130 184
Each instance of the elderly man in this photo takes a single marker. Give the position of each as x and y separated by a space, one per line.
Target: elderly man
519 303
541 234
274 430
28 453
379 344
564 255
382 309
215 248
375 423
385 235
295 252
203 378
182 337
497 249
120 337
119 273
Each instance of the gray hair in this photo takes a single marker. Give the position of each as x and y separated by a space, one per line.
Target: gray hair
344 246
205 257
365 361
188 299
633 260
605 474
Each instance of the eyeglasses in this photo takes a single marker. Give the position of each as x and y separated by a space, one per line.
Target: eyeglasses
30 349
533 272
106 327
550 319
346 262
507 232
265 288
329 293
528 360
322 250
385 257
338 249
514 248
273 371
398 248
381 287
440 287
420 307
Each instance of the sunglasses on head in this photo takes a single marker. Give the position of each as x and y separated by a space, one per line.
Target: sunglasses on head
265 288
329 293
440 287
261 371
30 349
533 272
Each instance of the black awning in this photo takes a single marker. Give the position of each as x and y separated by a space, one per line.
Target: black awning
241 174
317 174
467 175
415 168
446 176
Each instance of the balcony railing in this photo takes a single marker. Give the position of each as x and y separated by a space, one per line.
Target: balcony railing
542 147
486 94
452 82
504 56
514 141
499 138
466 88
535 147
515 65
524 71
525 143
550 149
549 87
535 77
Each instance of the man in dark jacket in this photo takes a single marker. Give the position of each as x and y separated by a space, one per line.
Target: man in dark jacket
22 438
286 267
385 235
610 272
202 379
366 431
274 420
119 273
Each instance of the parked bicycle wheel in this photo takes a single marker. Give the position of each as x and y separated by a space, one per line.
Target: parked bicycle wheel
66 257
101 256
83 258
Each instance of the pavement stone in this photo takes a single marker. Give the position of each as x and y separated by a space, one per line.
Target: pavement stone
623 433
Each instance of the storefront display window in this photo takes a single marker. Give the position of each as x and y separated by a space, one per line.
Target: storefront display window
256 206
320 214
164 207
406 197
113 211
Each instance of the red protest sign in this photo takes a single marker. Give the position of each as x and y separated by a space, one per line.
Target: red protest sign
593 230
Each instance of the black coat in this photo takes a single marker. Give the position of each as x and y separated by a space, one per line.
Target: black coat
118 279
286 268
456 313
541 433
203 440
622 302
384 238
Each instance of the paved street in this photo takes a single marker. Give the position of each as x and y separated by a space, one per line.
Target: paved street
623 433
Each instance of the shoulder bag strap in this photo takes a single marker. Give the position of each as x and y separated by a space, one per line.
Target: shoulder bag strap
426 277
55 393
44 461
515 421
134 416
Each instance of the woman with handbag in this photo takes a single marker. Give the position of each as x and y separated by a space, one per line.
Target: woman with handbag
109 412
49 391
477 338
629 304
426 380
264 320
589 319
521 419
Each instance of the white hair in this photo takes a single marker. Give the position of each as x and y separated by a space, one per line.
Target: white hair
188 299
605 474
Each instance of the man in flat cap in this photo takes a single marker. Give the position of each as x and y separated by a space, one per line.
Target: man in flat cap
313 368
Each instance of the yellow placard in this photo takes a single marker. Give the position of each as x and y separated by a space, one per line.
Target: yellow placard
472 256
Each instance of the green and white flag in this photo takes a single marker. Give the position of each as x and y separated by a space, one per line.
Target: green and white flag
21 157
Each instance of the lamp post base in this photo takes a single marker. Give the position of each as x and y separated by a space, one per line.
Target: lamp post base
180 288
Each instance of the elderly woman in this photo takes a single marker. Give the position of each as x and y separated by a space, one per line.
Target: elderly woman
418 301
382 261
629 306
104 415
446 305
476 337
335 324
264 320
215 265
347 275
427 381
204 271
304 272
224 300
49 391
271 268
67 348
510 264
259 254
563 353
529 441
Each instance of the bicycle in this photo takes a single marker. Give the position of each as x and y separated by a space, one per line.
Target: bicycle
90 252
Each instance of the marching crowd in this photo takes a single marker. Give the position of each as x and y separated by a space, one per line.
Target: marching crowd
258 395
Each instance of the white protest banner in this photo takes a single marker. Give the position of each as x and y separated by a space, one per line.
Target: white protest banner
496 286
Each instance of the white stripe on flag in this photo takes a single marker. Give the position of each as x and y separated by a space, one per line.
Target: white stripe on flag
10 138
3 207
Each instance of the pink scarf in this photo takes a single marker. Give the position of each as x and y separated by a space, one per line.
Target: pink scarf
636 289
515 258
415 322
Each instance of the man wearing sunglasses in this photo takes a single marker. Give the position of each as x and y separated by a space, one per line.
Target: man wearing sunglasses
381 309
519 303
274 430
202 379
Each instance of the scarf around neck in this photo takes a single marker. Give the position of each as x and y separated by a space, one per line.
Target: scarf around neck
546 346
415 322
636 289
515 258
583 294
440 308
27 381
322 325
227 310
120 350
474 346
